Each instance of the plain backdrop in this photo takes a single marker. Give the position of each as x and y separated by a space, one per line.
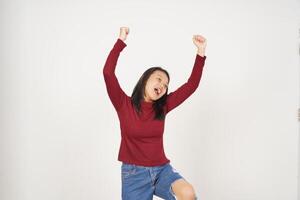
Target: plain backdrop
235 138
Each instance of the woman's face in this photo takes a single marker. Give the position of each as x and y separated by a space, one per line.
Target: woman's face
156 86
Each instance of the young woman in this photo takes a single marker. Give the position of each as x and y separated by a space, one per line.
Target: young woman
145 170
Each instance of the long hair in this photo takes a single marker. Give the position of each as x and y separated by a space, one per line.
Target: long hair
139 91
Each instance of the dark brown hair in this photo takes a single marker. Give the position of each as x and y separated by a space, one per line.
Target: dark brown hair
138 94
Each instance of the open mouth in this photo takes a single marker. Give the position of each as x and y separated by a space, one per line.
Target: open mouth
157 91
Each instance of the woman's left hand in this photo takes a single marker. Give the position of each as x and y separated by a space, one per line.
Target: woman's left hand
200 43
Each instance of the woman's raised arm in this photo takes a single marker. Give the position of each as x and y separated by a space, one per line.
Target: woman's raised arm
178 96
114 90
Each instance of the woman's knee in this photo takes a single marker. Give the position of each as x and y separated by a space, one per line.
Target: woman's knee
186 192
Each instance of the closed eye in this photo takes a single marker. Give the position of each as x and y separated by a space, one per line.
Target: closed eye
164 85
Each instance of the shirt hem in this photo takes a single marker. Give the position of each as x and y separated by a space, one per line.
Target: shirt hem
143 163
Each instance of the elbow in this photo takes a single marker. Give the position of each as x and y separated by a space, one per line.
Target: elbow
194 87
106 72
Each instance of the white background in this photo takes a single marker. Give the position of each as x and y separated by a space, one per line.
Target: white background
235 138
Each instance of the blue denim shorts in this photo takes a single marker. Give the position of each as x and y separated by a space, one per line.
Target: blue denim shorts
141 183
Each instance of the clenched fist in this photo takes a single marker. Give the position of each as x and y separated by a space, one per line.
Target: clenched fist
200 43
124 31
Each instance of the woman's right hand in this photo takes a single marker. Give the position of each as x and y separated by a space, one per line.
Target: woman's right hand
124 31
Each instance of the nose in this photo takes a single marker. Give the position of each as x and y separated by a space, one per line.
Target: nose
161 87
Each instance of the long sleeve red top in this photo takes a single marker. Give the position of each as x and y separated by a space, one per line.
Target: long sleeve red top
142 136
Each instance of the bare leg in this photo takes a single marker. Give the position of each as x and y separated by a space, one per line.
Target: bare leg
183 190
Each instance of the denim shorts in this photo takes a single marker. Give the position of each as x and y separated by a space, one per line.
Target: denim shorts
141 183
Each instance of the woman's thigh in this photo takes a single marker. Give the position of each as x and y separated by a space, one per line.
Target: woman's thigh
136 183
167 176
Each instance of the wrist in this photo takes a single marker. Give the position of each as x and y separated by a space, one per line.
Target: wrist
121 38
201 52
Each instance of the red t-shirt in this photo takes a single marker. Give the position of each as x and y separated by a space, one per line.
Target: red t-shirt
142 137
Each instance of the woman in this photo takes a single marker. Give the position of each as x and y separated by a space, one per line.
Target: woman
146 171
